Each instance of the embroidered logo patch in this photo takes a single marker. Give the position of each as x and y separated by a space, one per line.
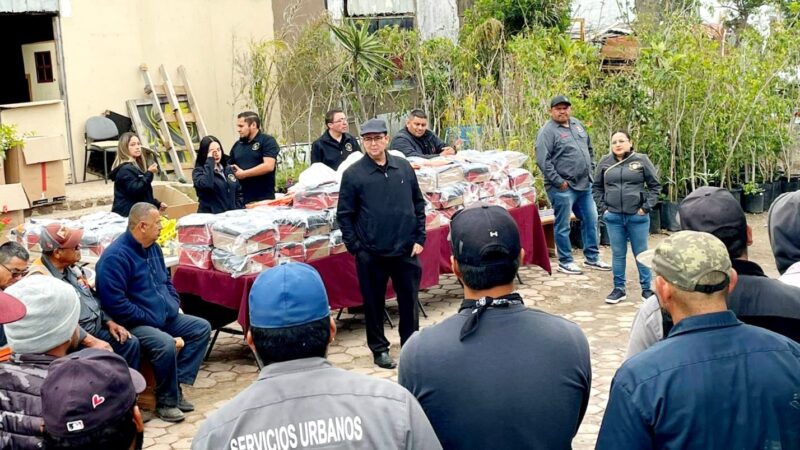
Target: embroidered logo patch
256 146
97 400
635 166
348 147
231 178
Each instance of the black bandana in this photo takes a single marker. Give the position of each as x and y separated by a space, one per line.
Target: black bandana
480 306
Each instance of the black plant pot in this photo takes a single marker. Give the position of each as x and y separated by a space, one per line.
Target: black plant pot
766 189
754 203
655 219
575 236
790 184
736 192
669 216
603 232
772 191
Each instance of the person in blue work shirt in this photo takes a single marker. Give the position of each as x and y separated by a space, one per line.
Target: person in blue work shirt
565 157
136 291
381 214
299 399
254 159
714 382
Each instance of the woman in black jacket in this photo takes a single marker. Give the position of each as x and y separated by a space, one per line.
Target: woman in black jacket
625 189
217 188
133 181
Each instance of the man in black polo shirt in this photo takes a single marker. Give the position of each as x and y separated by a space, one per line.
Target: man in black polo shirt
497 374
381 214
254 158
335 144
417 140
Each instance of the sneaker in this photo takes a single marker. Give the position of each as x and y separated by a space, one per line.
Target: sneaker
647 293
569 268
616 296
170 414
598 265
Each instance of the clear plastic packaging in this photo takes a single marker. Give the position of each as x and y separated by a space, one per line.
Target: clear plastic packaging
426 178
476 172
509 199
337 244
319 198
317 247
100 230
294 251
246 234
237 266
448 175
448 196
519 178
195 229
195 256
527 196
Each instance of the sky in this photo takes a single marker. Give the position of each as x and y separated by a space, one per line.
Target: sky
600 14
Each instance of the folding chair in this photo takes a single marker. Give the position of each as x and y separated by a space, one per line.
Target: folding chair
100 135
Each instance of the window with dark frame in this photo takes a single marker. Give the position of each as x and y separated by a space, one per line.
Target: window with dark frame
44 67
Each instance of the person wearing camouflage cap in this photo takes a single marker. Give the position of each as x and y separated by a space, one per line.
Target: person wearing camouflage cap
757 300
714 382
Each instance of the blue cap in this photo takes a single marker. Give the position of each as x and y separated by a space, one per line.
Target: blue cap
286 296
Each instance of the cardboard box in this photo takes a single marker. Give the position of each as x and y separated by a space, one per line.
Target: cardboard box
178 203
13 203
38 167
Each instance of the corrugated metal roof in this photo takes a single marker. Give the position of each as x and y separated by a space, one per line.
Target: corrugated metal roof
29 6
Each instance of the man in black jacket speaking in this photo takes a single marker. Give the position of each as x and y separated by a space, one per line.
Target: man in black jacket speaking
381 214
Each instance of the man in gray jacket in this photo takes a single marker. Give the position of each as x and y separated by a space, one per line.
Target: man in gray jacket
564 155
300 400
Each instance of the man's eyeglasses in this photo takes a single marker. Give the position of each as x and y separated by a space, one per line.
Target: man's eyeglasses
372 139
15 273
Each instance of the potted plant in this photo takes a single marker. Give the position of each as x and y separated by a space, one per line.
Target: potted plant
8 140
655 219
753 200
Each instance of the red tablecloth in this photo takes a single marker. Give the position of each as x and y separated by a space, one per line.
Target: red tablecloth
338 272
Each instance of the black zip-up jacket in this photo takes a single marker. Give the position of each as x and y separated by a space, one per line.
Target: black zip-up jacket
331 152
131 186
216 192
381 208
627 185
428 146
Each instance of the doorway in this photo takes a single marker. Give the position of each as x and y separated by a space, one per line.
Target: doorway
30 64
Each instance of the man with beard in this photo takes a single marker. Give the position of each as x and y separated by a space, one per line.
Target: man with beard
89 400
47 332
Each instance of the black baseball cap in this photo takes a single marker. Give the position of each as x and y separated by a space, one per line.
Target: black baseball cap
483 235
86 390
374 126
559 99
713 210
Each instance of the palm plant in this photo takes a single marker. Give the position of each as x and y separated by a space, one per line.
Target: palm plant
367 60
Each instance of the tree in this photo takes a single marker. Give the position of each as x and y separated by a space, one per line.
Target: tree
520 15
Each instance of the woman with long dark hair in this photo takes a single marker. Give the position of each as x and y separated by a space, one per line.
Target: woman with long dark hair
133 181
625 189
217 188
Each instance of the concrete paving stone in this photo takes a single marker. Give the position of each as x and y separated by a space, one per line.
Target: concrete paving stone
359 351
158 447
224 376
148 442
340 358
218 367
157 423
167 439
242 369
205 382
584 319
185 443
152 433
182 430
582 313
607 333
